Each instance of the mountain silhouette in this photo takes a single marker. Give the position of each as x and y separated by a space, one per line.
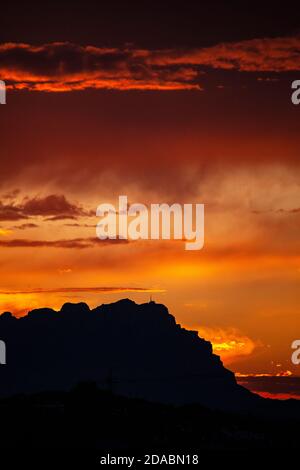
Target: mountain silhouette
137 351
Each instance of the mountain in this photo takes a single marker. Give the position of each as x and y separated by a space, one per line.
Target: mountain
133 350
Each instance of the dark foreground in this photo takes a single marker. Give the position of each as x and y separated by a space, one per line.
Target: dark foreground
98 422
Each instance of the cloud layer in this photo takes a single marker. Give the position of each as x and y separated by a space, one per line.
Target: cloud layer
63 66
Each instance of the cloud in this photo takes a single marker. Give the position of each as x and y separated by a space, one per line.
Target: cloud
278 396
56 218
280 211
78 243
25 226
63 290
229 343
284 373
53 206
80 225
282 387
255 55
11 212
289 211
64 66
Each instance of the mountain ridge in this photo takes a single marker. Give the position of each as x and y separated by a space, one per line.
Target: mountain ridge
136 350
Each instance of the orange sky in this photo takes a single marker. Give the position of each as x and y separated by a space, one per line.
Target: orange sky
225 135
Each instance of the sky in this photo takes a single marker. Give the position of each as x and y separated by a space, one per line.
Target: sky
163 103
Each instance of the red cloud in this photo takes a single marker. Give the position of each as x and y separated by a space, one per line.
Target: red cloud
255 55
63 66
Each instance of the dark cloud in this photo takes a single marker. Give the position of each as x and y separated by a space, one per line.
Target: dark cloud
64 66
56 218
290 211
54 206
24 226
75 224
77 243
280 54
11 212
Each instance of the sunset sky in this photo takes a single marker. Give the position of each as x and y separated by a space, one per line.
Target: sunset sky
164 104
